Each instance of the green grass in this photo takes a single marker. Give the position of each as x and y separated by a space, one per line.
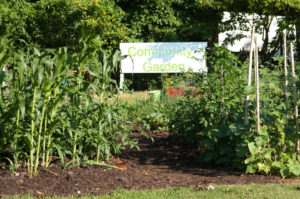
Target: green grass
131 98
270 191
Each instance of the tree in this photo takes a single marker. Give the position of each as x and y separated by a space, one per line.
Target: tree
13 16
56 23
150 20
169 20
266 9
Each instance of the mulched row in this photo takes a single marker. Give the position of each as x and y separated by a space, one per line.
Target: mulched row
159 164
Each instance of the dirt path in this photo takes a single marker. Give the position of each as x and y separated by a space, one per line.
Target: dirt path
157 165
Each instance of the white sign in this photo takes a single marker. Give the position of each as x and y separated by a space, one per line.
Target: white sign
167 57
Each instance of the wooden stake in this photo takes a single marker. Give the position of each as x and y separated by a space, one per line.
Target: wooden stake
222 91
249 73
256 70
295 94
285 79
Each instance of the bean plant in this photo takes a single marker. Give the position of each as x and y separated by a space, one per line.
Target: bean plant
216 126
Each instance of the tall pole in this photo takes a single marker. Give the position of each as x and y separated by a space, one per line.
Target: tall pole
249 74
295 94
222 91
256 70
285 78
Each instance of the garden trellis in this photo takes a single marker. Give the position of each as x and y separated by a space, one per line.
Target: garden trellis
249 73
295 93
256 75
253 50
285 79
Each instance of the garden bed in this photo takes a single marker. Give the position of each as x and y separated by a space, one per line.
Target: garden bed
158 164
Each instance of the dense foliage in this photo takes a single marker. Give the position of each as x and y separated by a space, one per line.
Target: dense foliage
218 129
48 108
51 107
58 23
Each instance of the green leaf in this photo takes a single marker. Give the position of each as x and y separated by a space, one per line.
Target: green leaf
250 159
277 165
60 153
252 148
2 76
264 167
241 151
268 154
284 171
249 90
251 168
294 169
263 131
261 140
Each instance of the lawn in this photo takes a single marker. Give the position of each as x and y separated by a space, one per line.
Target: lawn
269 191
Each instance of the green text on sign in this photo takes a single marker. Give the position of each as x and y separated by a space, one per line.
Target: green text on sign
169 57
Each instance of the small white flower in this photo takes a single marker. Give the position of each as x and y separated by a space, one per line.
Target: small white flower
210 187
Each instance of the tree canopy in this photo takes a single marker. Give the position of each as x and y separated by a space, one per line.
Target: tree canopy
56 23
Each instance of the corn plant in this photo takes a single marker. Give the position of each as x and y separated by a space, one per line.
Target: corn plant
103 82
37 88
55 95
16 108
78 94
48 109
32 86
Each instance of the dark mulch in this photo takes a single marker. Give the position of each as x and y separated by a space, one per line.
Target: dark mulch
158 164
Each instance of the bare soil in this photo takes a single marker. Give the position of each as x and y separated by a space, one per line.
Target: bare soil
159 164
